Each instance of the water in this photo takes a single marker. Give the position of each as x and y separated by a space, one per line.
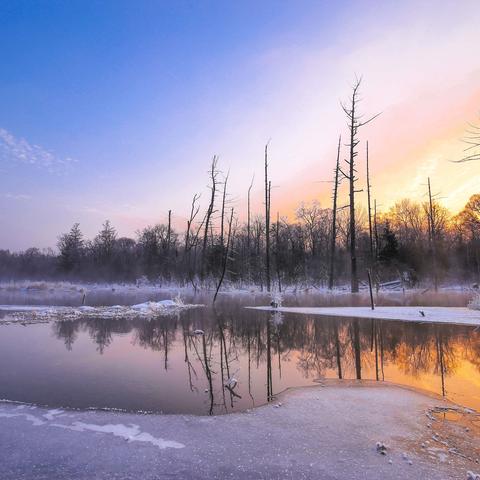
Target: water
161 365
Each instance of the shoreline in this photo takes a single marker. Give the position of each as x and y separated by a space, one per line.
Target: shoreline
328 431
443 315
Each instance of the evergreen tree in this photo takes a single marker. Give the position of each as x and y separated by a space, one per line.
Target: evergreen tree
389 249
71 247
104 244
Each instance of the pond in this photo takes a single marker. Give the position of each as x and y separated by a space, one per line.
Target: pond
216 361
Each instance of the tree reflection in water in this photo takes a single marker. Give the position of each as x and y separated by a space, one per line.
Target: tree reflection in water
244 357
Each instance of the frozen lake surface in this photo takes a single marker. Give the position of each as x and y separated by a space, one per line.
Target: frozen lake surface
328 432
451 315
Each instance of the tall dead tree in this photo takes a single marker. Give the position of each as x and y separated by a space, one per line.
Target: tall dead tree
208 216
169 230
193 213
277 251
267 221
355 122
225 255
333 240
369 186
248 214
472 139
375 227
223 210
433 235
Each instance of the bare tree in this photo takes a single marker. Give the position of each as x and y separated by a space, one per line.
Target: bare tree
472 139
169 230
333 238
355 122
223 210
369 186
433 235
193 213
225 256
277 252
211 206
375 227
267 220
248 214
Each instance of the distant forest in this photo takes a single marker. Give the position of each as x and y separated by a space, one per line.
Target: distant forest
410 243
300 250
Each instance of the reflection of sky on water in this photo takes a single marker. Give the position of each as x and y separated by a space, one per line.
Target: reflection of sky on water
160 365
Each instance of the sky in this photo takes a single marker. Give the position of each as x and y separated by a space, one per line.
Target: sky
114 109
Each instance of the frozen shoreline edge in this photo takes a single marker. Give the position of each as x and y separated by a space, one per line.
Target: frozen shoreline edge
443 315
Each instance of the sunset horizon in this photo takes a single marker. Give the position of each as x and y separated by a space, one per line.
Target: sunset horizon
125 130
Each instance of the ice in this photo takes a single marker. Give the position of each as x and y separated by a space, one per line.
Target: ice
312 436
130 433
50 415
35 314
37 422
451 315
154 306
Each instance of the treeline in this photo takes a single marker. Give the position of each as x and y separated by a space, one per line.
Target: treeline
300 250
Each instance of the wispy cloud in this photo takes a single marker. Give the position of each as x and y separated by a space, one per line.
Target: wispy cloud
13 149
14 196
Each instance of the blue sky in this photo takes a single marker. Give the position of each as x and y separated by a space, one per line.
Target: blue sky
113 109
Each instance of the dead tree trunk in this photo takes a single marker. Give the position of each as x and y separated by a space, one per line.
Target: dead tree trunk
267 221
277 252
333 240
223 211
208 216
169 230
354 123
248 216
433 235
375 227
225 256
193 213
370 232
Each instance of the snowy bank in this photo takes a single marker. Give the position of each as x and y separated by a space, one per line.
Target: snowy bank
453 315
317 432
39 314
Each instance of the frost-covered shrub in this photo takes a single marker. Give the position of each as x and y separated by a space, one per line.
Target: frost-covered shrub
474 303
276 298
179 300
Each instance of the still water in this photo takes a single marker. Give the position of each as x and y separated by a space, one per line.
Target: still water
241 360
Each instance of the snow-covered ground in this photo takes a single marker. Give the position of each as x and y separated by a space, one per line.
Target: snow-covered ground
145 286
453 315
41 313
325 432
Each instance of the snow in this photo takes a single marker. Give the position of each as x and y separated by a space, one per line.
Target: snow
154 306
36 421
229 289
474 304
131 433
451 315
50 415
41 313
329 432
26 308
